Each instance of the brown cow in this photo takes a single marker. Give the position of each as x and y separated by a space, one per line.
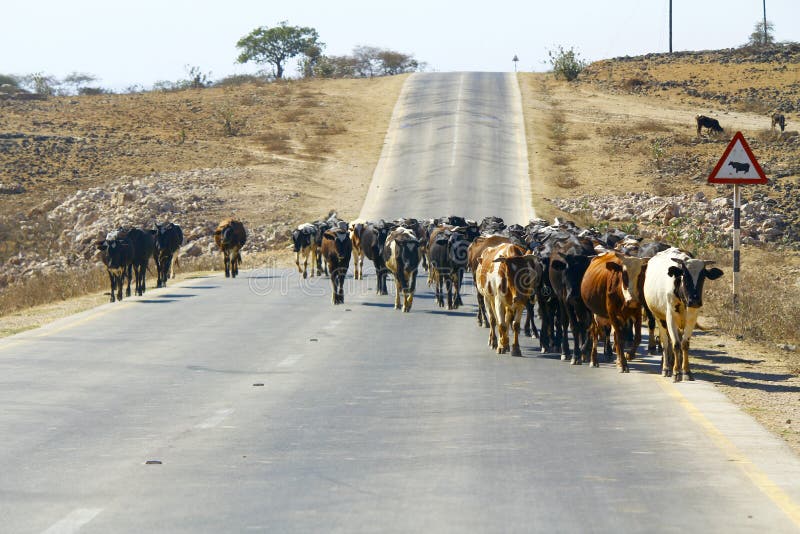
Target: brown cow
230 236
507 278
778 119
336 251
612 290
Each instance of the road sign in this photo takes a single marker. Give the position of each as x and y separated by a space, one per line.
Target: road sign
738 165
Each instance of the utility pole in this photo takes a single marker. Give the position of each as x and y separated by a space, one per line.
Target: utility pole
670 25
765 23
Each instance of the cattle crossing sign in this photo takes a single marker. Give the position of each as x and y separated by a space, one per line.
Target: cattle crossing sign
737 166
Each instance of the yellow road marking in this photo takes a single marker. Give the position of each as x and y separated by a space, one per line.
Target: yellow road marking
756 475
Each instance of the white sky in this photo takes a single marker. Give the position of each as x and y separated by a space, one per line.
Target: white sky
141 42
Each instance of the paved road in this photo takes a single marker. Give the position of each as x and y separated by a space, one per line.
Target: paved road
262 407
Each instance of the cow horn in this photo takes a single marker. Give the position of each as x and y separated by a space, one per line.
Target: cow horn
679 261
709 262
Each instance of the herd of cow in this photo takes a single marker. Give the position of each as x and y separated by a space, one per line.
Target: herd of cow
586 284
126 253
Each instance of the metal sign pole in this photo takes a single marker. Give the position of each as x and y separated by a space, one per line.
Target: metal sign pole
737 202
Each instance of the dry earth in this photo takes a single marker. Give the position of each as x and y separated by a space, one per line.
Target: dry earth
293 151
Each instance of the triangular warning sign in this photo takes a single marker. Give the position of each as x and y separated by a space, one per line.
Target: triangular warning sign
738 165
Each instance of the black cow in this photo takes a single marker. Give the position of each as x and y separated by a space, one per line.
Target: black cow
448 255
568 263
168 239
304 241
144 242
117 255
707 123
740 167
336 249
373 239
779 119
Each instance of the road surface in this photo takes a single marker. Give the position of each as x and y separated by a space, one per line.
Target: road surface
255 405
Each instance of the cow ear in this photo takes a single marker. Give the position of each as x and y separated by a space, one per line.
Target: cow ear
558 265
153 232
612 266
326 235
675 272
713 273
102 245
501 259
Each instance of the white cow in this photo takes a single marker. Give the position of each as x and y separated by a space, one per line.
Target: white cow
673 290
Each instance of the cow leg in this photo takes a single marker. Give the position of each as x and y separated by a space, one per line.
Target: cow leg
226 260
564 321
398 290
687 335
576 338
113 285
334 299
619 346
450 300
492 322
516 320
411 287
120 282
667 356
502 320
594 335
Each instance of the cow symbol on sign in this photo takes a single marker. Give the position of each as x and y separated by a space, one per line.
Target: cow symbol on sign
740 167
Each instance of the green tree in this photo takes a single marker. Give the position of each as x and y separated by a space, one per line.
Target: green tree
78 80
761 38
277 45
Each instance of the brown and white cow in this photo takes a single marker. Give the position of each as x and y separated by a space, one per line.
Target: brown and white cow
507 278
612 290
673 290
336 251
474 253
778 119
230 236
402 255
355 229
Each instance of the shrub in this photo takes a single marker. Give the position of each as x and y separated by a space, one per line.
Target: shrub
566 63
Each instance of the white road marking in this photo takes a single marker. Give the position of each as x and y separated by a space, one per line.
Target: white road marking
290 360
74 521
215 419
457 121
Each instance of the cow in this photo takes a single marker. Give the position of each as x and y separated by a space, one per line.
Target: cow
168 239
612 290
304 243
474 253
447 256
117 256
230 236
707 123
321 225
568 262
355 229
144 242
740 167
373 240
673 290
507 278
336 251
402 256
778 119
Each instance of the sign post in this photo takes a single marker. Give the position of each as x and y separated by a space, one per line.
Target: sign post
737 166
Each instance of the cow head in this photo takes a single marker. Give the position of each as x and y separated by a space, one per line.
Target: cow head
689 277
632 271
571 269
525 274
116 253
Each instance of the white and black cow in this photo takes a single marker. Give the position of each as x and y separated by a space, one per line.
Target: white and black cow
673 290
304 239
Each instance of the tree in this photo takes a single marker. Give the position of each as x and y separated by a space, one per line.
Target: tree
77 80
277 45
761 38
392 62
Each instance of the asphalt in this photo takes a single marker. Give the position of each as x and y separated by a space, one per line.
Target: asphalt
254 404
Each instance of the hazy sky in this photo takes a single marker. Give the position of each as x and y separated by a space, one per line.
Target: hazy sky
141 42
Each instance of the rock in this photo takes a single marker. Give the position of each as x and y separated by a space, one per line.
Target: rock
192 250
